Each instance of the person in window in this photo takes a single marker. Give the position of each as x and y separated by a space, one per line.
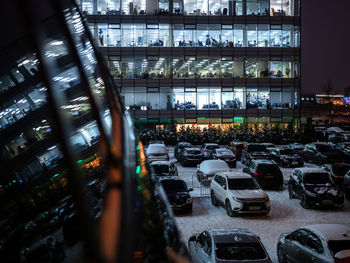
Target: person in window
208 41
118 44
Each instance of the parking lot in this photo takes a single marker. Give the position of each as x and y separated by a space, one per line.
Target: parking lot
285 215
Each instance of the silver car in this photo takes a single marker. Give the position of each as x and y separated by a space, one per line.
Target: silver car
234 245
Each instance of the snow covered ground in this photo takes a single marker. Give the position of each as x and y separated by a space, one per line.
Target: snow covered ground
286 215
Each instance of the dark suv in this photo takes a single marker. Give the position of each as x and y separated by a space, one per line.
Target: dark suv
178 194
266 172
337 171
314 187
237 148
179 147
287 158
254 151
191 156
225 155
321 153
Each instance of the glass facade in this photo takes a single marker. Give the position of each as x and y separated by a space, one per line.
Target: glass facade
199 61
209 98
200 35
192 7
202 68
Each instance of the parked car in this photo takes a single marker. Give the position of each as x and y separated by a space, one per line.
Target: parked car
287 157
254 151
190 156
266 172
321 243
157 152
156 142
179 147
208 168
314 187
337 171
208 148
269 146
297 147
164 168
346 186
234 245
344 149
178 194
239 193
225 155
237 148
320 153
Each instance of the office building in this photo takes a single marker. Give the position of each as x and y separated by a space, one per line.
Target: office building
192 62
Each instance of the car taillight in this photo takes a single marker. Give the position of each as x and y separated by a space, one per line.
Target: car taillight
206 151
185 155
217 157
257 174
338 176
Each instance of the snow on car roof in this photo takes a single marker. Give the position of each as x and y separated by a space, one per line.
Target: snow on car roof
234 174
210 165
312 170
264 161
193 149
211 144
160 163
233 235
331 231
157 147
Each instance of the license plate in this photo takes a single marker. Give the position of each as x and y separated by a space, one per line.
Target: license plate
254 207
327 202
227 160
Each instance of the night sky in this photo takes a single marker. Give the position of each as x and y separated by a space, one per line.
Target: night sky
325 45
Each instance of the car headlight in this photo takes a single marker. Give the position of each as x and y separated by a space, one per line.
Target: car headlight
188 201
310 193
237 199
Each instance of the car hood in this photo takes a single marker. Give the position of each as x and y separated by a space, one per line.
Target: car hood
249 194
259 153
292 157
321 189
177 196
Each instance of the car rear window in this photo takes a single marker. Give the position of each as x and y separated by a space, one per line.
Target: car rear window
161 169
338 245
242 184
239 251
212 147
184 145
324 148
286 152
257 148
316 178
340 170
193 151
268 168
174 186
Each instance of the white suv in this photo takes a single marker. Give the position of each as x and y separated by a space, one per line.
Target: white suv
239 193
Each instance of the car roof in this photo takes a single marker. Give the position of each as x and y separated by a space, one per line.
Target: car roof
170 178
184 143
263 161
331 231
193 148
311 170
233 235
161 163
211 143
234 174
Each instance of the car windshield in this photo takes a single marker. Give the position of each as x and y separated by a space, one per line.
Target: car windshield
340 169
323 148
212 147
224 152
338 245
184 145
267 168
257 148
193 151
239 251
242 184
317 178
174 186
161 169
286 152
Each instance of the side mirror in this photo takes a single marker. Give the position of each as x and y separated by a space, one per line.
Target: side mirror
190 190
224 186
288 237
192 239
